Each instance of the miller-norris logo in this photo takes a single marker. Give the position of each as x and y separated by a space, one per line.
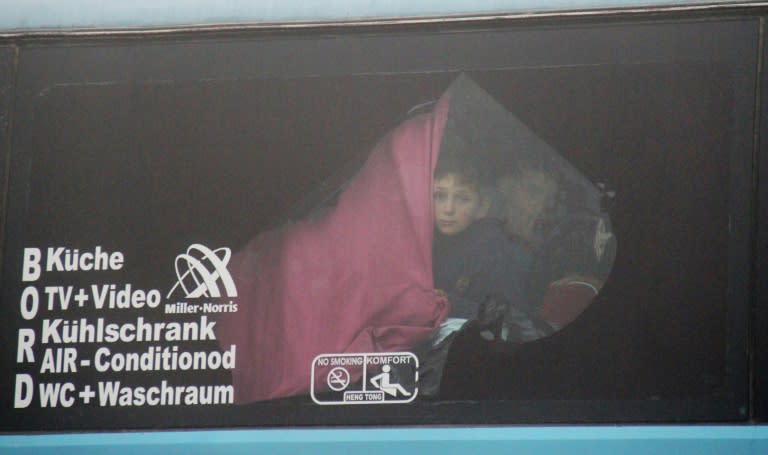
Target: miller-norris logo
202 272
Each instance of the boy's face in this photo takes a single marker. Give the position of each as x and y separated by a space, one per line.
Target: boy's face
457 204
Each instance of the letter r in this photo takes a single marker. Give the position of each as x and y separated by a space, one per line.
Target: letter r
24 351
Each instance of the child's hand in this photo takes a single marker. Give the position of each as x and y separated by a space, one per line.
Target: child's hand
491 309
490 317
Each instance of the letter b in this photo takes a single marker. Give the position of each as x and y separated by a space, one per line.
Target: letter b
31 268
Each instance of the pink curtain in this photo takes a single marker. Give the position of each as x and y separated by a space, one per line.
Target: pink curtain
358 279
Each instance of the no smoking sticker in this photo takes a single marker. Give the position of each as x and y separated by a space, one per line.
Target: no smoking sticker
365 378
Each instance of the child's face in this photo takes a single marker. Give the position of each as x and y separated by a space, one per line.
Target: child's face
457 204
528 198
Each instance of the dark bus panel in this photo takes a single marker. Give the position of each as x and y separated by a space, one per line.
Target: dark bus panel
471 222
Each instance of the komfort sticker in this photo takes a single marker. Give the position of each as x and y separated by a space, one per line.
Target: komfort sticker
365 378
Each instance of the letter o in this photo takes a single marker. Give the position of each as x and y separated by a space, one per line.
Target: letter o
30 302
185 361
117 362
153 298
214 360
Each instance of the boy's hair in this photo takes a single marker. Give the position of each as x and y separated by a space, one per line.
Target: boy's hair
466 166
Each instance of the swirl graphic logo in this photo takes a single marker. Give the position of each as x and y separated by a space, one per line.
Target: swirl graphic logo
202 272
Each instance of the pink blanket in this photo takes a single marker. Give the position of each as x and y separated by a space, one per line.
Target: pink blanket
358 279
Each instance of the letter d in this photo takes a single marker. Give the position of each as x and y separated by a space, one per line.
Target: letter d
24 391
31 269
